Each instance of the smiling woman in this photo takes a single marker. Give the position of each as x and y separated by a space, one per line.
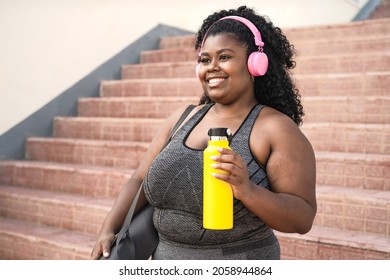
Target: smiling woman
262 40
223 70
272 179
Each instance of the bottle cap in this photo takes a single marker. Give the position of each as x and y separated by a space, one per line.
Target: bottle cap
220 132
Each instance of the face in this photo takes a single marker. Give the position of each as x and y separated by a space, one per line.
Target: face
223 70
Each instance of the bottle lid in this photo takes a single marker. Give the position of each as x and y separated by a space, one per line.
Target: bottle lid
220 132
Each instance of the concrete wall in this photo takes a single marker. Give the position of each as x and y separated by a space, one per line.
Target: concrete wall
48 45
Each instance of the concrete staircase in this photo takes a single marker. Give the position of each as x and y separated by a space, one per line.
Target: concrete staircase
52 203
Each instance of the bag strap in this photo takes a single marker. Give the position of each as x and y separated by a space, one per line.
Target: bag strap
129 216
185 114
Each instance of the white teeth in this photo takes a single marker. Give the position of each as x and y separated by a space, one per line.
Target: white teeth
216 80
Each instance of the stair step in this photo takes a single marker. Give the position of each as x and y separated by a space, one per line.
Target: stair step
327 137
185 41
112 129
354 209
323 243
343 31
151 87
367 109
79 179
52 208
181 69
86 152
359 63
169 55
339 169
133 107
353 170
342 46
335 47
321 33
40 242
350 84
348 137
344 84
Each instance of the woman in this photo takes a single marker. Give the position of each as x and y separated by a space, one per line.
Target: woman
271 167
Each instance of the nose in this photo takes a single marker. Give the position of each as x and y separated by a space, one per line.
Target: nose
213 66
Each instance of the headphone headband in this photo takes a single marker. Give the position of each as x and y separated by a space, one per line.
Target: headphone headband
251 26
256 33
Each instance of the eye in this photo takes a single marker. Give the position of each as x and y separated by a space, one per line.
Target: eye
224 57
204 60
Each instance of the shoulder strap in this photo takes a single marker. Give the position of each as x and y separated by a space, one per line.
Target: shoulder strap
179 122
129 216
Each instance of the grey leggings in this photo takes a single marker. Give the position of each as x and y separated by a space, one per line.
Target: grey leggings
267 249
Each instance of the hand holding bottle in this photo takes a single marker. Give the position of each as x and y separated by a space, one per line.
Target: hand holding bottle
236 172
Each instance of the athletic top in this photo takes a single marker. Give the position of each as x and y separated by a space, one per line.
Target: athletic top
174 186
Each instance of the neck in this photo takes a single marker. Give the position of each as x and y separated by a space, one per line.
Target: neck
232 112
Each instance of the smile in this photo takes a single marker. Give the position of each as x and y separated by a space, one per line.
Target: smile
215 81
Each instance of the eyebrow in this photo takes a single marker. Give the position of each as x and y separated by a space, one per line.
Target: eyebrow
220 51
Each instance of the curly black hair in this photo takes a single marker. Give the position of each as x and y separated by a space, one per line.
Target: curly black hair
276 88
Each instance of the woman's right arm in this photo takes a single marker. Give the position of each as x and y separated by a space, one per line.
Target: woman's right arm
118 212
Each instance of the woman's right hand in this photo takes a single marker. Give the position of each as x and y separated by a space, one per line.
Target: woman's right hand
102 246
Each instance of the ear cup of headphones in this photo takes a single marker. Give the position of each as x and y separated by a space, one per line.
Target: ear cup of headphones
257 64
197 68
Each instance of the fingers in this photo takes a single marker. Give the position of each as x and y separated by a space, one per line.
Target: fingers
236 172
96 252
106 249
231 177
101 248
229 160
232 163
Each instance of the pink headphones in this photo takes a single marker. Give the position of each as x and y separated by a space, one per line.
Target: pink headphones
257 61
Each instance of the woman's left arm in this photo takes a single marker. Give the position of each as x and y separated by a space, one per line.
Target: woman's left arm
290 204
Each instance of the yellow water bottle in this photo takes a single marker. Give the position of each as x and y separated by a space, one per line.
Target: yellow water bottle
217 194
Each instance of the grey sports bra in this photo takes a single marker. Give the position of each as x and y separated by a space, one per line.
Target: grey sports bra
174 186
